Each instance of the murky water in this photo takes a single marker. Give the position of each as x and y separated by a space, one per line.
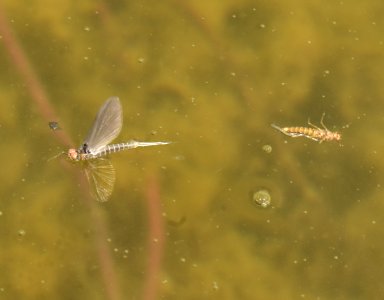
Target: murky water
182 221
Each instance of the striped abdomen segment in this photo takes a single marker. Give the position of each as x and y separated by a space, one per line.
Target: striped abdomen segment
316 134
307 131
108 149
313 133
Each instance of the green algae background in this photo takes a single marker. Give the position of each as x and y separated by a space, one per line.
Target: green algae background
210 76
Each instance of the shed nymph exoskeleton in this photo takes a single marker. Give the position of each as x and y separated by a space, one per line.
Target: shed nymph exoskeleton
314 132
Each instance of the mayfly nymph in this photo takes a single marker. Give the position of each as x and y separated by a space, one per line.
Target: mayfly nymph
314 132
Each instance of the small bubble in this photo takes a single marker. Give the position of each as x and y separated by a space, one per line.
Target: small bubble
267 148
21 232
262 198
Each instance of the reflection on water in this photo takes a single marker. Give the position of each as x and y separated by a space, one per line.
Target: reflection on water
211 77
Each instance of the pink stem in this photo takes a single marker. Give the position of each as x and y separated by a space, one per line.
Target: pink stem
108 273
156 240
28 74
39 96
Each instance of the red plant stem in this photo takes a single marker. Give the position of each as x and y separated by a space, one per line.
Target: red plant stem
39 96
100 233
156 240
28 75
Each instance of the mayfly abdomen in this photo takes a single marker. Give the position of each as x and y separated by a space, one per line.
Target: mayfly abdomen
314 133
108 149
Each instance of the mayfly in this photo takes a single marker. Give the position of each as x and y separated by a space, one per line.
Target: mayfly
106 127
314 133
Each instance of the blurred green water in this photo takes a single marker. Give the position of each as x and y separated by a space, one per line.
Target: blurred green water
212 77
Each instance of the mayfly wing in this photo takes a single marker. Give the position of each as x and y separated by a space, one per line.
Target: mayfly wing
101 176
106 126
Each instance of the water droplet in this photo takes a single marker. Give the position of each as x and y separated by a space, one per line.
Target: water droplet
262 198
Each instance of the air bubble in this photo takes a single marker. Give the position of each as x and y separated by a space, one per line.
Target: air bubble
261 198
267 148
21 232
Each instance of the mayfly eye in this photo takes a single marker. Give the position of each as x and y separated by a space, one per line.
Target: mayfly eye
85 148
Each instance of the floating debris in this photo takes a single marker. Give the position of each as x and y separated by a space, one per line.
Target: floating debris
54 125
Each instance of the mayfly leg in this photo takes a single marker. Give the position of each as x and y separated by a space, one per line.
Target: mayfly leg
321 123
56 156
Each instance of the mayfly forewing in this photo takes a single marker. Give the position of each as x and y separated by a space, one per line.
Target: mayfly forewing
101 176
106 126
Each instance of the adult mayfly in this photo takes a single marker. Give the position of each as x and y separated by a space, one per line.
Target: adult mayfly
106 127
